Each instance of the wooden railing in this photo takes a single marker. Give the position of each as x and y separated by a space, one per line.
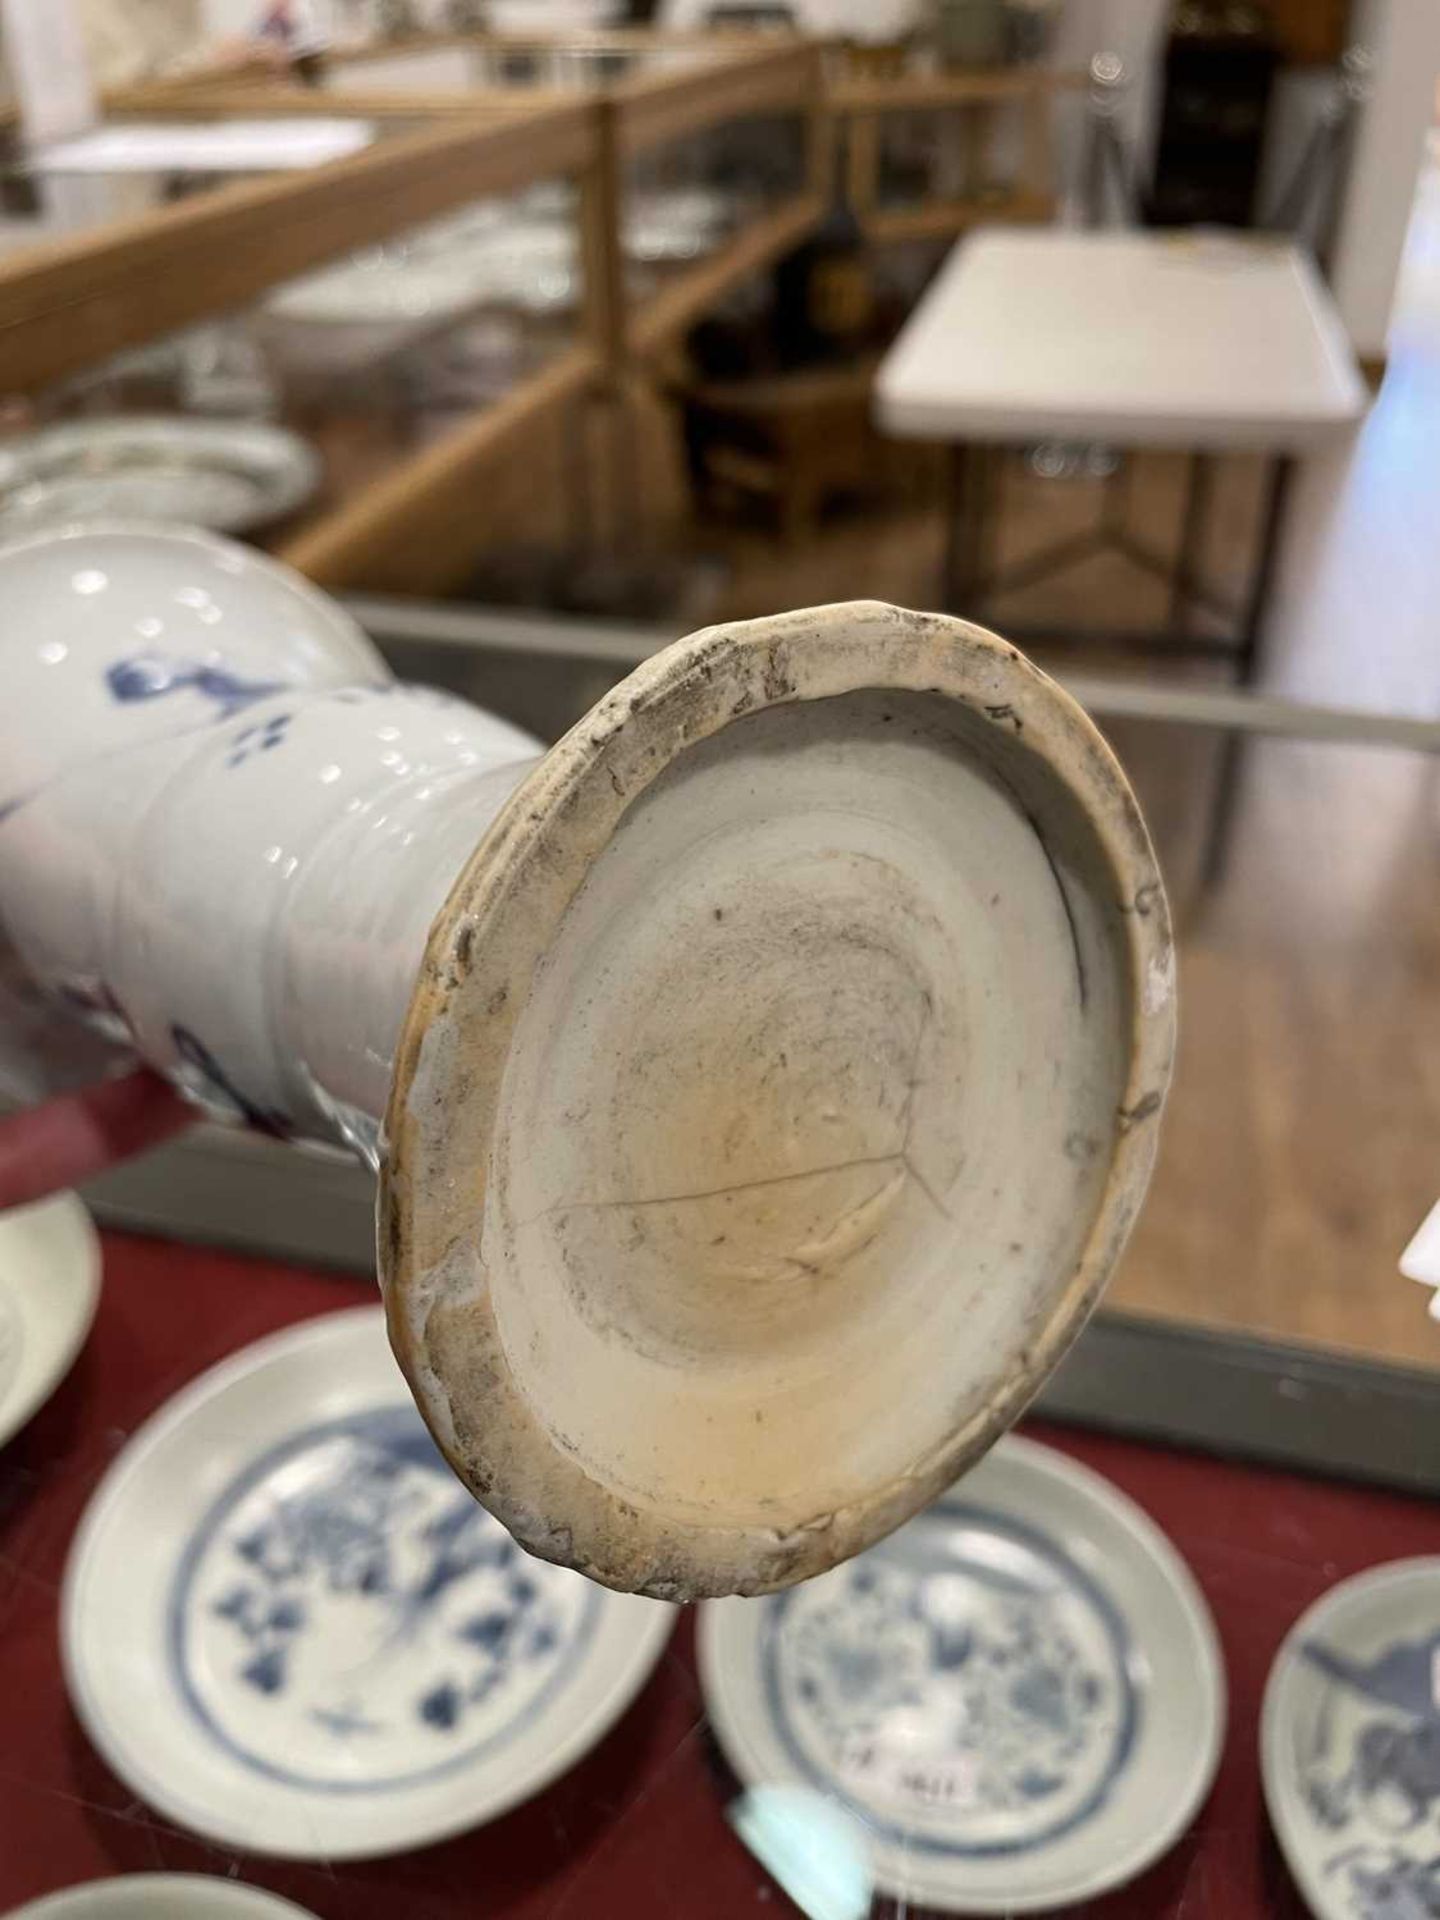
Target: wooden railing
72 302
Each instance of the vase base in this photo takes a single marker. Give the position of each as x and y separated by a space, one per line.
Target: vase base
775 1098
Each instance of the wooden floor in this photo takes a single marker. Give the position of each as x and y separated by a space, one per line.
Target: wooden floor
1299 1151
1301 1146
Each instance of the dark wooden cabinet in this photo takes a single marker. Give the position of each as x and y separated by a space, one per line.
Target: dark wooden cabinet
1219 68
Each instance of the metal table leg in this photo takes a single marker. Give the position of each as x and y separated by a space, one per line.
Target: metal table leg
1247 666
952 564
988 520
1262 577
579 501
1184 580
971 508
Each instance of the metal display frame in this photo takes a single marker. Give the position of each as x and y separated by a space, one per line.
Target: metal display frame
1280 1403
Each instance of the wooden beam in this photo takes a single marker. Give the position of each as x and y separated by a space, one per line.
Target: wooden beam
162 94
1037 169
662 319
66 304
863 184
908 91
729 79
657 108
419 528
601 253
821 145
631 40
943 219
283 101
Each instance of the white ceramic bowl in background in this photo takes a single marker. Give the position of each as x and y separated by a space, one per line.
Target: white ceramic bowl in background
229 475
161 1896
286 1627
1018 1698
381 289
49 1289
1350 1746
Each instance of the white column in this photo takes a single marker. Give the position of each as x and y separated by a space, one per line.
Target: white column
1403 38
49 67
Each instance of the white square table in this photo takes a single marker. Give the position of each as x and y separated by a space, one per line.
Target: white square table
1198 341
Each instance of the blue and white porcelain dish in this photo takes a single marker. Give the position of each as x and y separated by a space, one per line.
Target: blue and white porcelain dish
288 1626
1018 1698
161 1896
1350 1746
49 1290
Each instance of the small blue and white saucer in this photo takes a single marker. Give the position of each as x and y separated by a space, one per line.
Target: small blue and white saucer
287 1626
161 1896
1350 1746
1018 1698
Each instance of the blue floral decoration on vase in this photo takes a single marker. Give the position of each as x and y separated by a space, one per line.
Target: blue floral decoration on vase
151 676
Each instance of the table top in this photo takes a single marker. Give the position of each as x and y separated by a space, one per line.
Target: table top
637 1830
1189 340
222 146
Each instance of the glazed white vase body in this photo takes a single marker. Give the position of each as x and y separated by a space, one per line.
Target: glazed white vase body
225 829
762 1082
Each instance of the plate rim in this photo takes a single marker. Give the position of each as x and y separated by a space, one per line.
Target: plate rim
1320 1898
295 477
61 1902
1116 1870
457 290
16 1412
624 1677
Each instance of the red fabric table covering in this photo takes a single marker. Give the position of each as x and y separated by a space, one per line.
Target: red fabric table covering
638 1828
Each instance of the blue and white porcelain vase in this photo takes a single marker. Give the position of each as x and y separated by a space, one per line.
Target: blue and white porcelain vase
762 1082
223 826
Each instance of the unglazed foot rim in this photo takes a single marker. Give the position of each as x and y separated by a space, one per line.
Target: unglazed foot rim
588 1319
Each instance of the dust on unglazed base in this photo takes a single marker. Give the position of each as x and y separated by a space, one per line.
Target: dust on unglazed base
779 1090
